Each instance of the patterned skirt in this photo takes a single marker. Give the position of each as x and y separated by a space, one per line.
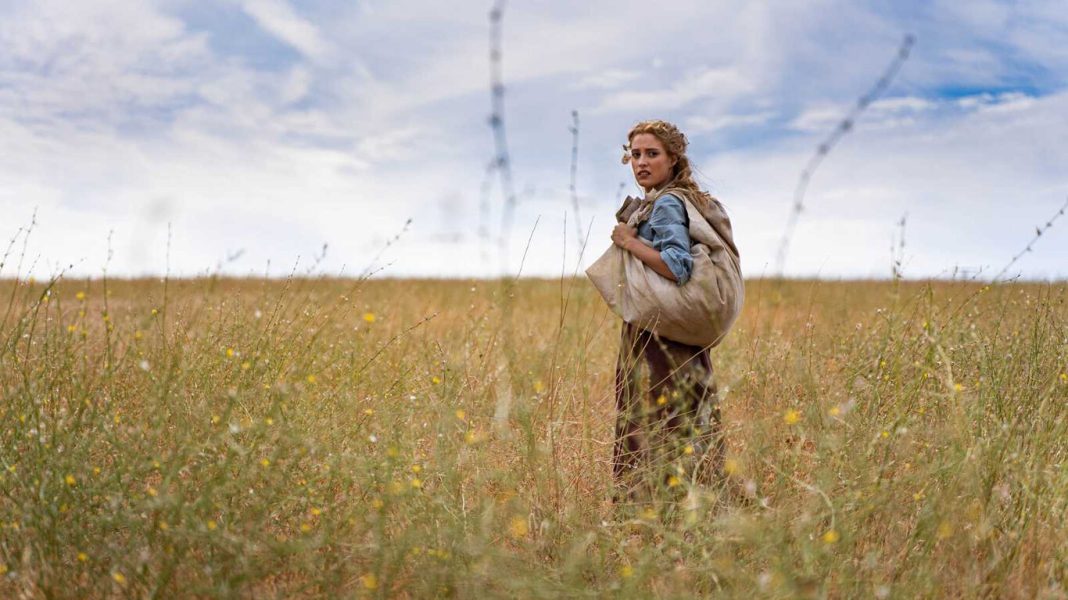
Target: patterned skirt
668 430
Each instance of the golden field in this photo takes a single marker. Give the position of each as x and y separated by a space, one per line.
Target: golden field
317 437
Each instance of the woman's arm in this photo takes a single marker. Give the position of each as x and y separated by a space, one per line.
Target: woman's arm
626 237
671 236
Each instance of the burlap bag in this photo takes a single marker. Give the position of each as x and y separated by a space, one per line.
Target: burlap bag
699 312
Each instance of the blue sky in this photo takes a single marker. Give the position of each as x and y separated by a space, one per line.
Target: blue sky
264 129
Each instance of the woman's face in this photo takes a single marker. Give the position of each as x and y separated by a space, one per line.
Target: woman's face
651 163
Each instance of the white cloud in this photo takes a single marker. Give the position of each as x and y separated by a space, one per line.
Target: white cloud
702 124
607 79
94 61
724 84
279 19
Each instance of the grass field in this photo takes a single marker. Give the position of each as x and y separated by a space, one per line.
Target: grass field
397 438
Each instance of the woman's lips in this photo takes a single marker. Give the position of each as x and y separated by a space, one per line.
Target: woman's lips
643 173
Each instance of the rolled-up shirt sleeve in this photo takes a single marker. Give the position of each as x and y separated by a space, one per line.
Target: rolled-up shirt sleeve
671 236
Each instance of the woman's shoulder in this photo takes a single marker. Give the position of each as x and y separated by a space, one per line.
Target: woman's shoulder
669 208
670 202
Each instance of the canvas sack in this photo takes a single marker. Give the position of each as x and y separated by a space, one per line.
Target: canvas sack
701 311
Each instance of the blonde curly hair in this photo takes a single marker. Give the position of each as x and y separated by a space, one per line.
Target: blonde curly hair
675 143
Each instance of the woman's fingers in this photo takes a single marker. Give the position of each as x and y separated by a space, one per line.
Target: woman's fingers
622 232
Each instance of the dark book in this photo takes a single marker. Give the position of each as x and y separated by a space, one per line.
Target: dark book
629 206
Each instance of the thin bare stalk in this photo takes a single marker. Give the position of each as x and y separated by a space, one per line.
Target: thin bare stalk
824 148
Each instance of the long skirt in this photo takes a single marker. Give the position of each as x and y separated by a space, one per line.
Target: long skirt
669 437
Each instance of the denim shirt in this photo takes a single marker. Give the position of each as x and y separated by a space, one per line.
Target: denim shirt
668 228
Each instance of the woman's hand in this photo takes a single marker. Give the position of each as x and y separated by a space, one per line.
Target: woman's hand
622 234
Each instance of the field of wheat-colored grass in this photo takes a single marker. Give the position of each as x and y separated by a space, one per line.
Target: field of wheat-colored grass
399 438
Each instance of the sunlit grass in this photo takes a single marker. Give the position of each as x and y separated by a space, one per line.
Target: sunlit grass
321 437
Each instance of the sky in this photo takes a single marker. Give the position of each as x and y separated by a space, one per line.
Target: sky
266 137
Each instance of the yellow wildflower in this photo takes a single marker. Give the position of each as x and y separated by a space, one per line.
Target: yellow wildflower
435 380
945 529
518 527
539 387
688 449
305 527
212 525
672 481
791 417
80 296
730 466
152 491
369 317
82 557
266 462
835 411
369 581
310 379
626 571
316 511
416 468
70 480
661 400
229 353
830 537
416 483
119 578
460 414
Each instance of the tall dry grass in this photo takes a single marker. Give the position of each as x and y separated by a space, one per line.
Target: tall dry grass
323 437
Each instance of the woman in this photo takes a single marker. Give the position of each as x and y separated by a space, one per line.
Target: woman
669 436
